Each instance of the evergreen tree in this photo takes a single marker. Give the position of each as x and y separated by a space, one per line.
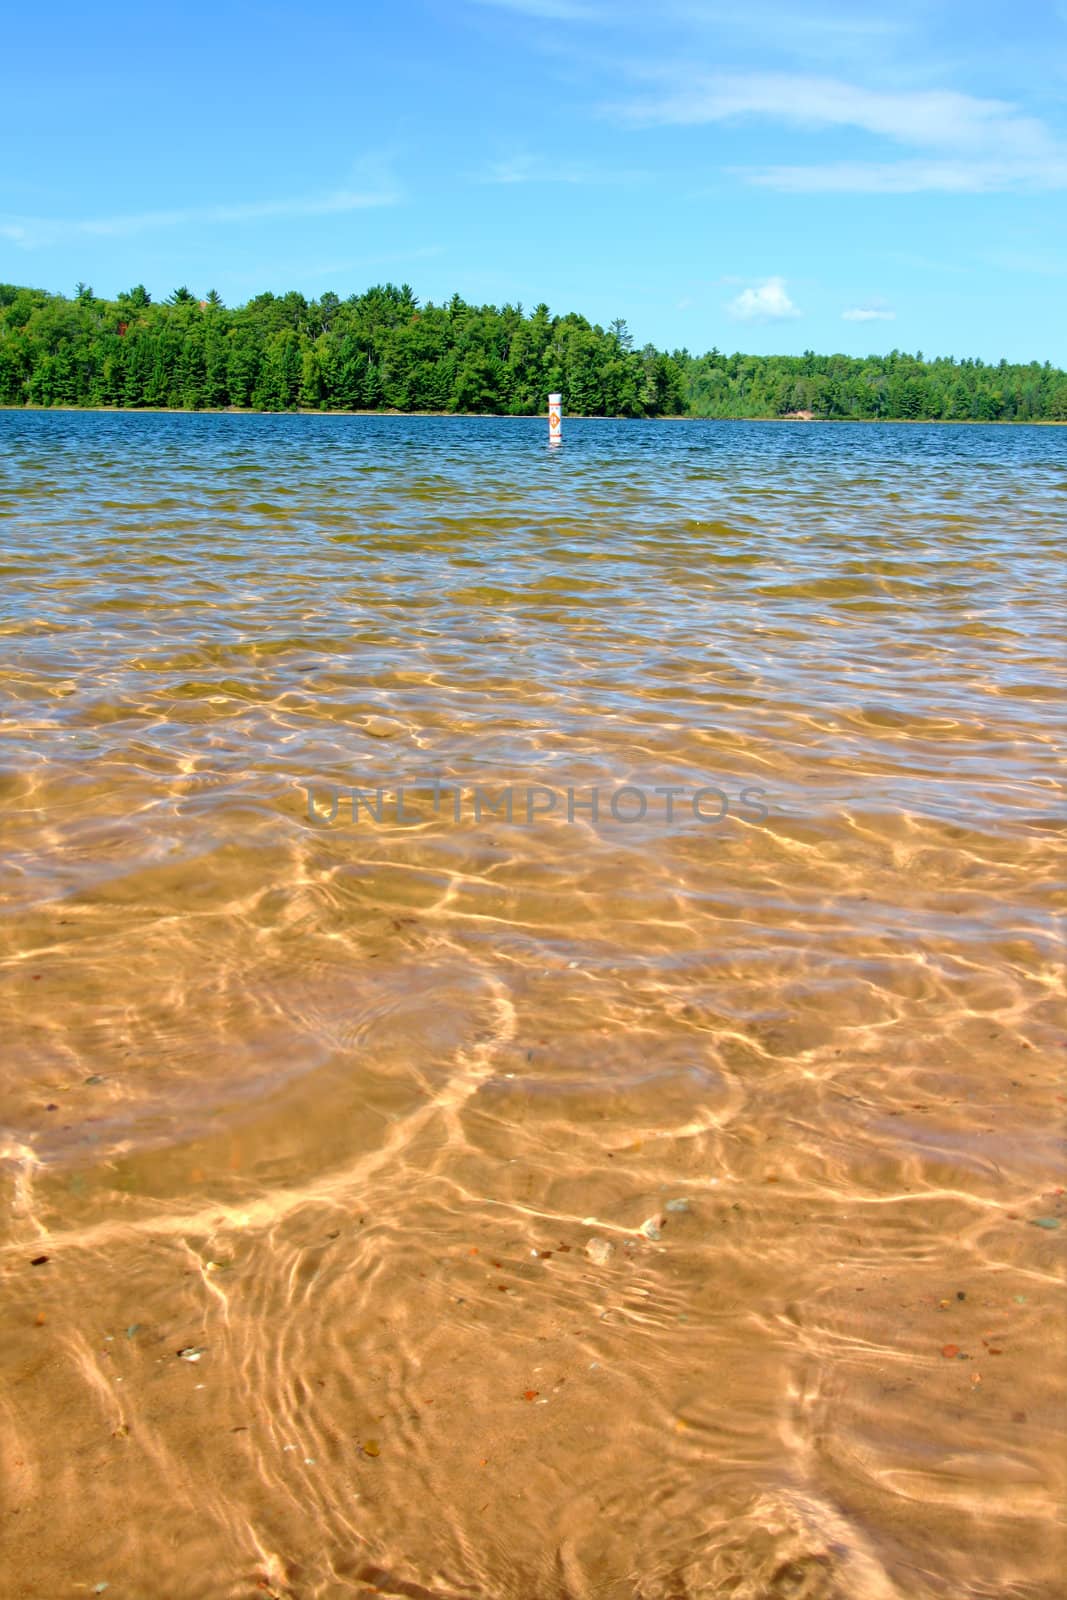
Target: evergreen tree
384 348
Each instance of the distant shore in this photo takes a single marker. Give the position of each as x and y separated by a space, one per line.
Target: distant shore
575 416
386 351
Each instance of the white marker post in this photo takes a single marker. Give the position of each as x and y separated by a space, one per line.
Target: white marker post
555 419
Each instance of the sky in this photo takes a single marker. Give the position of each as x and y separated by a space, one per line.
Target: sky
752 175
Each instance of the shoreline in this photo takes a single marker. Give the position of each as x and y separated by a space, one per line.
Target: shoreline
500 416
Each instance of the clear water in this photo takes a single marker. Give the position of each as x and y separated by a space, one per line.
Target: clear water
555 1206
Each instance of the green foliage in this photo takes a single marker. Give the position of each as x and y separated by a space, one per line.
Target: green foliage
895 386
383 350
379 349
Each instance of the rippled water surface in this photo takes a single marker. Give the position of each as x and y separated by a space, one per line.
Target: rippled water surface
635 1206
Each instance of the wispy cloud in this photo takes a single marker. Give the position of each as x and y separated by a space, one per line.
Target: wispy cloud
766 302
868 314
913 177
938 117
1028 257
802 27
971 145
540 169
551 10
299 270
34 232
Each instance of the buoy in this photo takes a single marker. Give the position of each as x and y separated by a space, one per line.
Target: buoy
555 419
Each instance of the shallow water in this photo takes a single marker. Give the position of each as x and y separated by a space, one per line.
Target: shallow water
379 1119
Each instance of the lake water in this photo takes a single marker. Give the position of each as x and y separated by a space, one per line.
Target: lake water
651 1205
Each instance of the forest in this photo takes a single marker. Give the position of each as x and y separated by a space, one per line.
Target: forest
384 350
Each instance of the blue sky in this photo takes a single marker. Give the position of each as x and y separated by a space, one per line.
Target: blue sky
761 176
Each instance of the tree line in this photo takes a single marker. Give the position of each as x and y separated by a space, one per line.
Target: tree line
383 350
895 387
378 350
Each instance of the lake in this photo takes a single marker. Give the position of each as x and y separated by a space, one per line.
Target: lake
534 1008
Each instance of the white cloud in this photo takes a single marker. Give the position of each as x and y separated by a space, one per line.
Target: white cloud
868 314
541 169
971 145
31 232
938 117
768 302
913 177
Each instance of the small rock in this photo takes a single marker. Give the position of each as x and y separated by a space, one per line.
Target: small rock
600 1251
382 727
652 1228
